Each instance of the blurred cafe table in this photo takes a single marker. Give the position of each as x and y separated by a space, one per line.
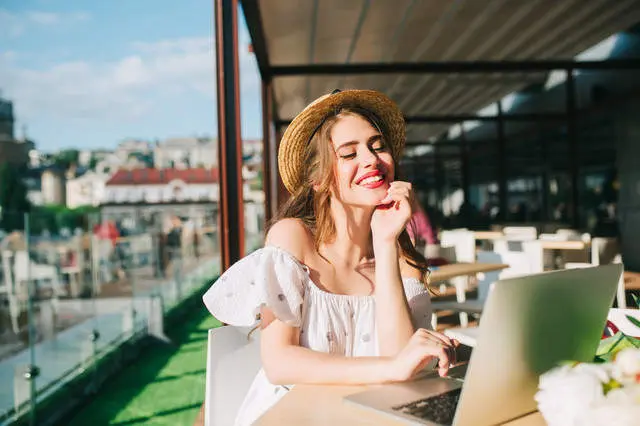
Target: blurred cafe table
322 405
563 245
453 270
632 280
488 235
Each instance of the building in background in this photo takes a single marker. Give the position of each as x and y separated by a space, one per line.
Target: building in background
86 189
132 147
53 187
150 197
185 153
6 119
12 150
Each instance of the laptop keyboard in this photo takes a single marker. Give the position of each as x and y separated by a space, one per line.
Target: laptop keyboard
438 409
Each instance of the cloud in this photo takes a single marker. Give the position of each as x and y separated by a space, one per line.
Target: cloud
124 89
15 24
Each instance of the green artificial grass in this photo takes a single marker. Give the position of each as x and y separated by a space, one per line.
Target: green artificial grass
165 386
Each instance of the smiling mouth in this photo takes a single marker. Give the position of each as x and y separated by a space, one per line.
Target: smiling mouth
372 182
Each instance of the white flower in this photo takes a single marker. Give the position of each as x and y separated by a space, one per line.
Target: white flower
566 392
610 415
628 395
621 407
627 365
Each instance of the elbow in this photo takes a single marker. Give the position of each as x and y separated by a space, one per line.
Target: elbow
276 368
275 374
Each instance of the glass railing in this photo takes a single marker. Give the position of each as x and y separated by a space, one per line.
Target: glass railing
74 292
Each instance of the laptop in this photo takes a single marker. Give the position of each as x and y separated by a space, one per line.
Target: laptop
528 325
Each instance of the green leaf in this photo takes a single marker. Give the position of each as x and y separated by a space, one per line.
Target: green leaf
633 320
609 347
636 300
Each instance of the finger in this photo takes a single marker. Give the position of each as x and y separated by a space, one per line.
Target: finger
395 197
402 191
435 349
443 362
439 336
434 338
401 183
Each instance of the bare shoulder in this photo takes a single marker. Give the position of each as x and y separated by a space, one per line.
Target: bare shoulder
407 270
292 235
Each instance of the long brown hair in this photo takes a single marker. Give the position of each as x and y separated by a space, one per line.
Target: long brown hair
312 205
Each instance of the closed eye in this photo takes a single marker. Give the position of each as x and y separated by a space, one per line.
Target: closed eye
348 156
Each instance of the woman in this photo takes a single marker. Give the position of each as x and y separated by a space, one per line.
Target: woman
339 288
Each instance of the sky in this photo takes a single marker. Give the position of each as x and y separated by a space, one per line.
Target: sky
87 74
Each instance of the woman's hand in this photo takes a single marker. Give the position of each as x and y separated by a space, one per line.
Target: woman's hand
425 346
392 213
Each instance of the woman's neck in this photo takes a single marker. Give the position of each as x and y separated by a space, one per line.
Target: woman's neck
352 243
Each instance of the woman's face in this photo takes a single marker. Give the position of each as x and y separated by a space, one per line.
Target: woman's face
364 166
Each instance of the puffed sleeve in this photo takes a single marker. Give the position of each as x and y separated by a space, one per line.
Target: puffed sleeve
419 302
270 277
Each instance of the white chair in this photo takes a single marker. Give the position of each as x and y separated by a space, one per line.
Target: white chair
472 306
233 360
26 270
458 245
16 294
523 257
604 250
464 243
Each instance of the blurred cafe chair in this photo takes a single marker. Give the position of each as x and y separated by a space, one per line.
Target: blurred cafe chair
233 360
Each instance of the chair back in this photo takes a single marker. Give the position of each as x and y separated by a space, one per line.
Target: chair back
233 360
523 257
436 251
7 273
21 266
604 250
463 242
487 278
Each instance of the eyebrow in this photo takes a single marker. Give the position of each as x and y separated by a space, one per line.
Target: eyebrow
350 143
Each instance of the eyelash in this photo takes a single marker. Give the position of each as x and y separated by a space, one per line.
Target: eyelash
382 148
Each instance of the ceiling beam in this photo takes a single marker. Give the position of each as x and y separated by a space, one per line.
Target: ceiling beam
457 118
453 67
253 18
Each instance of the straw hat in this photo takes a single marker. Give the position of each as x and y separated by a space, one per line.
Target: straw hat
308 122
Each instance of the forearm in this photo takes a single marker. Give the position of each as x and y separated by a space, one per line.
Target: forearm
299 365
393 319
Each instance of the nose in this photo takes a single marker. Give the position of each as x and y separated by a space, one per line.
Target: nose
369 158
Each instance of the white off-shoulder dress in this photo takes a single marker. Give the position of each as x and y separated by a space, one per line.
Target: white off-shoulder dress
328 322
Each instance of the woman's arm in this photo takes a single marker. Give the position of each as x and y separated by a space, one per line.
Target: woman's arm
286 362
393 319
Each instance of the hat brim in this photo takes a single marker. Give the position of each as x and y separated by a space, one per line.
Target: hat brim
299 132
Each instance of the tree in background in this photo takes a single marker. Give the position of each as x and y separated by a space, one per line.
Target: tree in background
93 162
54 218
13 198
66 158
